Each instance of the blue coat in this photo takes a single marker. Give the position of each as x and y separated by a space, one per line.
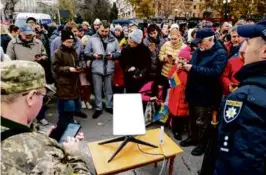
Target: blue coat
242 125
203 85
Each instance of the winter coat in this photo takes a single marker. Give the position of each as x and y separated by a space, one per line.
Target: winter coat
169 49
177 104
19 50
56 43
203 85
67 83
139 58
54 35
241 139
155 54
5 38
95 45
232 51
228 76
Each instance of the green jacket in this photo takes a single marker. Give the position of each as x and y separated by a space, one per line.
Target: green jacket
35 153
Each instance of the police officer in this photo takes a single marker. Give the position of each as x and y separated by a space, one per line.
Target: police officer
24 151
242 127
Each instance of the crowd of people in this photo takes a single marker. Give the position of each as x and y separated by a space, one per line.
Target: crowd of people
195 69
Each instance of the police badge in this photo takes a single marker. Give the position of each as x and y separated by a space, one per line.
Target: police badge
232 110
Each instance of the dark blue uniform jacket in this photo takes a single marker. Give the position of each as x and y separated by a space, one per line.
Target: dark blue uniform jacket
203 85
242 125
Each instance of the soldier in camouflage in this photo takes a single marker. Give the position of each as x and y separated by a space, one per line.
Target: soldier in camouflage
22 150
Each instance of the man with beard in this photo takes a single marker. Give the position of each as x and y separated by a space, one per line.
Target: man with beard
154 42
102 48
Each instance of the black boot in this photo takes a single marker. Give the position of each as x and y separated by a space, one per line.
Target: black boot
188 142
97 114
198 151
109 110
177 136
80 114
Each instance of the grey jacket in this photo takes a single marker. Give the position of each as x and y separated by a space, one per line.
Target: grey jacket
56 43
18 50
155 54
95 45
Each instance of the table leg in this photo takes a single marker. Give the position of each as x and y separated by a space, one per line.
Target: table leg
171 165
155 165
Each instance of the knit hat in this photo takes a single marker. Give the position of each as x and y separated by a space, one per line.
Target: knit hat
66 34
97 21
173 26
185 53
136 36
206 24
118 27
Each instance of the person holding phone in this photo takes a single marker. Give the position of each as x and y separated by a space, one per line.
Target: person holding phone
102 49
169 55
67 78
22 93
154 41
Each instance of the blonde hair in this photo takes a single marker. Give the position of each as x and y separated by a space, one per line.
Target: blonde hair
4 30
70 25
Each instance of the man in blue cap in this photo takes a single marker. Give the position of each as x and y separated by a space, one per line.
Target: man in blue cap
242 125
203 91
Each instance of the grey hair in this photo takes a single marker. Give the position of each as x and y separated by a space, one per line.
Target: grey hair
234 29
8 99
209 38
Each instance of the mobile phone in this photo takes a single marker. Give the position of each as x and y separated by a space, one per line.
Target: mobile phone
65 129
71 131
152 45
170 56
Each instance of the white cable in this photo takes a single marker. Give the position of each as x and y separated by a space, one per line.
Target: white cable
162 166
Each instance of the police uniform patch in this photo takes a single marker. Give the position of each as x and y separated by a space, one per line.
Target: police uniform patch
232 110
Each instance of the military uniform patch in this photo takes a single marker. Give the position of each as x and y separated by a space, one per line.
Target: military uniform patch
232 110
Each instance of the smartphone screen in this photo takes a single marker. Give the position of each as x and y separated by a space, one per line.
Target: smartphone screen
71 131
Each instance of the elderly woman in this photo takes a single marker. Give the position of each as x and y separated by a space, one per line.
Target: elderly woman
169 56
135 61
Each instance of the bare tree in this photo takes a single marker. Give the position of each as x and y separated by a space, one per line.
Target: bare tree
8 8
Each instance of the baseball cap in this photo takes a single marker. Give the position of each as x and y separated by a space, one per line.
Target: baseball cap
201 34
21 76
27 29
253 30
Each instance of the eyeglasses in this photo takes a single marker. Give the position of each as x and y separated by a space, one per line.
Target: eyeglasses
37 93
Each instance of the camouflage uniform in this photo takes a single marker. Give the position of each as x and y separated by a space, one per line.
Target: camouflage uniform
31 152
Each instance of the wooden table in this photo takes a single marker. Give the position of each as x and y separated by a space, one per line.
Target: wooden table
130 156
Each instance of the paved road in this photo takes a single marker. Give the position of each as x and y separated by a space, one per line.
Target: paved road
101 128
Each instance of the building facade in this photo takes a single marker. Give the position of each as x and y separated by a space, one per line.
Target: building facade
125 10
33 6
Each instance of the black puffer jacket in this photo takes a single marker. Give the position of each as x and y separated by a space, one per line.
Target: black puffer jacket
139 58
5 38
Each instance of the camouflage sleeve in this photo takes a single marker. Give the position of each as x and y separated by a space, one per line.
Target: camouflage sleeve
35 153
49 165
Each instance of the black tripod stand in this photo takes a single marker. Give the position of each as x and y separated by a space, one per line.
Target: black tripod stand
125 140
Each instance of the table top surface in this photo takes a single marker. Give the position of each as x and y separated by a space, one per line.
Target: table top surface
130 156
